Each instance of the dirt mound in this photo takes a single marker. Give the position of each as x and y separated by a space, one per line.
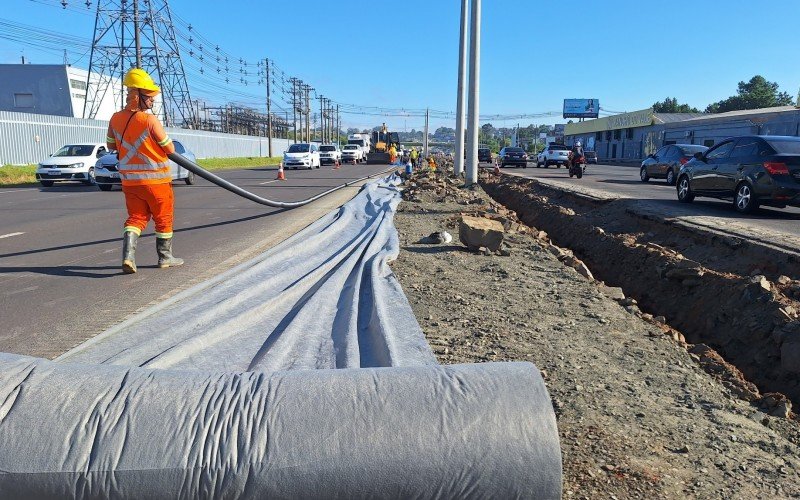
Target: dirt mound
751 322
638 414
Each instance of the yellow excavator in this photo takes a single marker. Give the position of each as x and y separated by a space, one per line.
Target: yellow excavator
382 141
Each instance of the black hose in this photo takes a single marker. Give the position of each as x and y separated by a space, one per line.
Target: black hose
219 181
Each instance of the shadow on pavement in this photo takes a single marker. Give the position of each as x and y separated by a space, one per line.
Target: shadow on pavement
68 271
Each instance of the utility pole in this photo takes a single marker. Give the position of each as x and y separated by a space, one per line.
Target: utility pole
322 119
294 107
425 139
473 107
307 89
338 126
458 166
269 111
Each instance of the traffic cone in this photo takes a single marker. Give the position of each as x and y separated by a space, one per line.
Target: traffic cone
336 164
496 169
280 177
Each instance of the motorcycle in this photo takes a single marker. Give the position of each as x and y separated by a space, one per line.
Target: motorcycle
577 166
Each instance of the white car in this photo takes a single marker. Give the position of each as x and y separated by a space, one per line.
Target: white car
73 162
352 153
330 153
553 154
301 155
106 171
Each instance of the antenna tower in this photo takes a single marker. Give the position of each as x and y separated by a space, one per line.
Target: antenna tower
138 33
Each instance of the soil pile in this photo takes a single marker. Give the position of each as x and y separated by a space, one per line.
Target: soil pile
641 413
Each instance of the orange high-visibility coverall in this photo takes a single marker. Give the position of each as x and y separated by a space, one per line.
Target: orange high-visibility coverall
143 145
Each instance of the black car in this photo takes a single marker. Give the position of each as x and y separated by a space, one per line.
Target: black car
591 157
513 156
484 155
667 162
751 170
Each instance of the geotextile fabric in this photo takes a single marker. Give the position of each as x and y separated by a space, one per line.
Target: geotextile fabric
300 374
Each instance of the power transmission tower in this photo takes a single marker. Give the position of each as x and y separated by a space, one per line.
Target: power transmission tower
138 33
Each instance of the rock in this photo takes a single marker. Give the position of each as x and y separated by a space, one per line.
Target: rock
784 280
584 271
660 319
484 251
613 292
687 264
686 273
782 409
505 250
558 252
692 282
790 354
761 282
477 232
542 236
683 449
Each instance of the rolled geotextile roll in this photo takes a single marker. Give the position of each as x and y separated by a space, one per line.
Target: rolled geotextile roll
101 431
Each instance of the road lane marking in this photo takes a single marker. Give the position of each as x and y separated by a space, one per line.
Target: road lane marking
267 182
9 235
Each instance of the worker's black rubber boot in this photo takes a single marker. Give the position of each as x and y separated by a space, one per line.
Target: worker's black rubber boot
165 258
129 252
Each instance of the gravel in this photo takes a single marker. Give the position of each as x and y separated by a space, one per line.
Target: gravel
638 415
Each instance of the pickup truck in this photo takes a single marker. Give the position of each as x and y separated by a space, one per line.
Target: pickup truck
330 153
553 154
352 153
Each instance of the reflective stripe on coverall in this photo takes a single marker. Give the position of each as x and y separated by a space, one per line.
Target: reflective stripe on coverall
144 170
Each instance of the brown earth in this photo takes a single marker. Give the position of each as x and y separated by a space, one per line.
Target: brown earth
641 414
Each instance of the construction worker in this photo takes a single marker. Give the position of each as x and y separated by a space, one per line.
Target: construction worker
392 154
432 163
414 157
142 146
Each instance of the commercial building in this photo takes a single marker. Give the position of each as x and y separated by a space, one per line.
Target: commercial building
626 136
54 89
709 129
633 136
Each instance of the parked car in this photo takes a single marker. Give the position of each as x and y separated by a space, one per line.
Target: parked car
511 155
667 162
107 169
73 162
553 154
303 155
484 155
591 157
352 153
751 170
330 153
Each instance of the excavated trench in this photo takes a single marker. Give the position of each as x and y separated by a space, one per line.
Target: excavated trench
736 297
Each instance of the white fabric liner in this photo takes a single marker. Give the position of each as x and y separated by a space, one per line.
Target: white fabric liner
300 374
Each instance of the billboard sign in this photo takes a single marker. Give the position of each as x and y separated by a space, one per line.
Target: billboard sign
581 108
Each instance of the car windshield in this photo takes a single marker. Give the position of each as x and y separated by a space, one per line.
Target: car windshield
298 148
553 147
351 147
788 146
514 150
691 150
590 153
81 150
327 148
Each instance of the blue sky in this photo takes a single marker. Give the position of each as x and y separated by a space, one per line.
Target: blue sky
628 54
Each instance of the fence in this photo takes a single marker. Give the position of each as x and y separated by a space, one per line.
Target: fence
29 138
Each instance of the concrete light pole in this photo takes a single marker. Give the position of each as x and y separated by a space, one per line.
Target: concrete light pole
474 93
458 166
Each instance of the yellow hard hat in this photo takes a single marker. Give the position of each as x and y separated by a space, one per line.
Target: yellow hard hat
138 78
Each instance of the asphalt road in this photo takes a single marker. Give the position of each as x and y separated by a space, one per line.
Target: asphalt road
60 249
624 182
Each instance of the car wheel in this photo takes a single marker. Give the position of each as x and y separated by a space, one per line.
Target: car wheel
671 177
684 189
643 175
47 184
189 180
105 187
745 200
90 180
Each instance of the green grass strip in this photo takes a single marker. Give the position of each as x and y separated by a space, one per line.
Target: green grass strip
16 175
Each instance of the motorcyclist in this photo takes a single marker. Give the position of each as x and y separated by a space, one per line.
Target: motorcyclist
576 155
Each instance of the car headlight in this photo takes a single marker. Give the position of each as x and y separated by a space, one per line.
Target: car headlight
75 165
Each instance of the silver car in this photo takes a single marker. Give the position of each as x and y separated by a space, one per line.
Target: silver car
106 173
